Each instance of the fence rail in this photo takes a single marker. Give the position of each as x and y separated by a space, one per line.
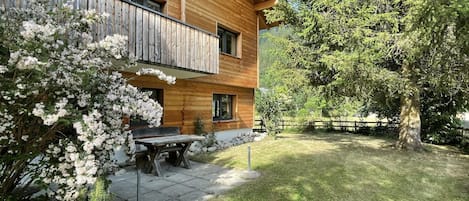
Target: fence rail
350 126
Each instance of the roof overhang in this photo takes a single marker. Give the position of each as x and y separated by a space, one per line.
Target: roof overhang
266 4
260 6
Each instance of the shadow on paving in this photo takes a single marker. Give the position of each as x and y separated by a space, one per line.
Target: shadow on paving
201 182
354 168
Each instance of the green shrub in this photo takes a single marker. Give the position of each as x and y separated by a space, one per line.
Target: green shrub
99 191
269 107
199 126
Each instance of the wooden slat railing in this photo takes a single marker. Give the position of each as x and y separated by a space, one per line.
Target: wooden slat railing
153 37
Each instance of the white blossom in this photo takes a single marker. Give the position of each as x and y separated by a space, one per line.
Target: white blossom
3 69
25 137
27 62
14 56
158 73
31 30
73 86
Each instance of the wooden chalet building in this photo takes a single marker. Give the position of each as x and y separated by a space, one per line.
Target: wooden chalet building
210 46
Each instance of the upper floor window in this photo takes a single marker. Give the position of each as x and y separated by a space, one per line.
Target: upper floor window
228 41
222 107
156 5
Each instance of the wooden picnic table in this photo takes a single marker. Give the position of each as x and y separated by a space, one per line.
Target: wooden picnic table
176 145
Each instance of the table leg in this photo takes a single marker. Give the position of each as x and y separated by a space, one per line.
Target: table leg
154 155
182 155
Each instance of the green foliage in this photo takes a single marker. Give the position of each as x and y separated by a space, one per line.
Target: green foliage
438 114
99 191
360 48
276 75
268 105
301 100
210 140
199 126
439 126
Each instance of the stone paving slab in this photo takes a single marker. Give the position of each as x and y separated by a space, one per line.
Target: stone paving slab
202 182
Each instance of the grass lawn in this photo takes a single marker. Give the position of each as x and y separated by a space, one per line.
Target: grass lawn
345 167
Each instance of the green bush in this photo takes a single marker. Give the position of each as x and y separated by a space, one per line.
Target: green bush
99 192
199 126
268 106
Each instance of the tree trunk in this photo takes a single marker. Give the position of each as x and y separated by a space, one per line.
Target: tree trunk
410 125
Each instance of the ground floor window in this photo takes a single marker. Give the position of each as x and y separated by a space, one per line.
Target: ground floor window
222 107
157 94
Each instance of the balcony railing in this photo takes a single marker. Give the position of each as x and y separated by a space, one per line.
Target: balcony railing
153 37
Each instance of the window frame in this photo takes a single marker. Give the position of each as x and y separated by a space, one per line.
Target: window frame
223 33
146 3
216 108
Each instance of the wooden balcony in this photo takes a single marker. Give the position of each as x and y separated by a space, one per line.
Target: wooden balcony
153 38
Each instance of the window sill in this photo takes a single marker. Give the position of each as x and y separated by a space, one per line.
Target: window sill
229 55
224 121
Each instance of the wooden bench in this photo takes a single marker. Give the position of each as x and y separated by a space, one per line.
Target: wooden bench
142 155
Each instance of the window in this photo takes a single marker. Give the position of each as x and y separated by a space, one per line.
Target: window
156 5
157 94
228 41
222 107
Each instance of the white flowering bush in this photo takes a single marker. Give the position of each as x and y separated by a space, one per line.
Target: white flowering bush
62 101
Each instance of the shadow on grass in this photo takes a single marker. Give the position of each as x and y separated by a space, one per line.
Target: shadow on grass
350 167
207 157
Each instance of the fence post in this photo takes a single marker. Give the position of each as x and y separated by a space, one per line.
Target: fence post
356 126
249 157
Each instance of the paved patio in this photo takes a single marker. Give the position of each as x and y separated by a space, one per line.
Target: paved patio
202 182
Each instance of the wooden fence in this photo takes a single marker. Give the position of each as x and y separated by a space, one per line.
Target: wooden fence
349 126
153 37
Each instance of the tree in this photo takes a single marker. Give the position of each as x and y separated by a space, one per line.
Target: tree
288 82
300 98
388 48
62 101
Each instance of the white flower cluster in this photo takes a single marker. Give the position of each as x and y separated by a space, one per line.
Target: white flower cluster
3 69
158 73
57 81
31 30
6 123
113 44
58 112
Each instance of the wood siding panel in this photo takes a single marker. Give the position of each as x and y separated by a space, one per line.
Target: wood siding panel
151 39
240 17
173 8
186 100
155 38
158 49
139 34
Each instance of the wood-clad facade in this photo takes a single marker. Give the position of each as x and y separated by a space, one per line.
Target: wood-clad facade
183 40
237 75
186 100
